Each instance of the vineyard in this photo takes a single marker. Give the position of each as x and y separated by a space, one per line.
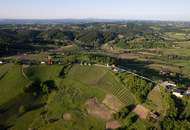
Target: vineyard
103 78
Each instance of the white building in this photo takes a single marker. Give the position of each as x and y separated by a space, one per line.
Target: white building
1 62
42 62
167 83
115 70
177 94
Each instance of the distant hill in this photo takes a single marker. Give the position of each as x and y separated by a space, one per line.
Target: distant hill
54 21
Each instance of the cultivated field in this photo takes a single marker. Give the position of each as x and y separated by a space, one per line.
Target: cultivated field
102 78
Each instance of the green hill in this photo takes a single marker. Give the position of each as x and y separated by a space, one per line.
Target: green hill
102 78
12 83
43 72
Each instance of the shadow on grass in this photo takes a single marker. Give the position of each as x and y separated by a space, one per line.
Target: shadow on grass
11 108
140 67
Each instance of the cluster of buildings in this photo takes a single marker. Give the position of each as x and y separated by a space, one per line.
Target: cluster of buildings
115 68
178 92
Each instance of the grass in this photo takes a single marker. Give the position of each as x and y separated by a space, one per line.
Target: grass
160 67
176 36
156 100
176 51
43 72
72 95
71 98
76 124
87 74
4 69
12 84
29 120
102 78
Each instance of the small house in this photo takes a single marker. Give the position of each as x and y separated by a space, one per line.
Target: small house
42 62
115 70
113 66
1 62
169 83
178 93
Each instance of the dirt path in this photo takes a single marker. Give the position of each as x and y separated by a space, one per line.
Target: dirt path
23 73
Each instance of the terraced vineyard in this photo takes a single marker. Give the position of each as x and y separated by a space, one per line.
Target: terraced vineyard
102 78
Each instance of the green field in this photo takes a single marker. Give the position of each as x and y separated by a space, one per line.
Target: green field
74 90
43 72
12 83
103 78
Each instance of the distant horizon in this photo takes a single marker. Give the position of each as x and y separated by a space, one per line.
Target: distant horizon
112 19
160 10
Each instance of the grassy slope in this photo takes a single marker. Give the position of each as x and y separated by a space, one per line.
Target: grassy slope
4 69
156 100
43 72
12 84
57 107
103 78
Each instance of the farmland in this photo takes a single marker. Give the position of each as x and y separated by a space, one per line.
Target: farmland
94 76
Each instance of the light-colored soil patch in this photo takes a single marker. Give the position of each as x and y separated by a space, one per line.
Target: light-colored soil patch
113 125
112 102
97 109
67 117
141 111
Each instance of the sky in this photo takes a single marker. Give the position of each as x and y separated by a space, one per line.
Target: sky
98 9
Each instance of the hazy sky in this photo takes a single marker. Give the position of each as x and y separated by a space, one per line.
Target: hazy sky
106 9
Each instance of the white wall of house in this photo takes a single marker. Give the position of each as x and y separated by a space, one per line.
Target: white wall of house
179 95
42 62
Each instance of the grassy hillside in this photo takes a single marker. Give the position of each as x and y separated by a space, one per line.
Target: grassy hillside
43 72
12 83
102 78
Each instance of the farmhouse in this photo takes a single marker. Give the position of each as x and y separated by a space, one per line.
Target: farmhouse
115 69
178 93
1 62
169 83
42 62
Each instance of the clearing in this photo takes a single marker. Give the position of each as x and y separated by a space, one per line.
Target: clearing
141 111
97 109
113 103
